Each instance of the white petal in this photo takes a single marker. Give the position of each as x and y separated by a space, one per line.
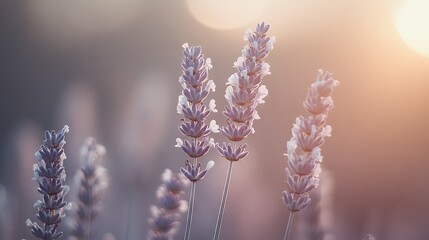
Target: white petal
211 142
66 129
262 93
214 127
183 100
182 82
210 86
233 80
185 45
166 175
209 64
179 142
212 105
270 43
265 68
29 222
69 206
239 62
247 34
228 94
256 115
210 164
326 131
291 146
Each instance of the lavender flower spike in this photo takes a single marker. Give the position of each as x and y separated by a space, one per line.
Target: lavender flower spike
50 175
165 217
304 148
244 93
93 183
194 111
191 105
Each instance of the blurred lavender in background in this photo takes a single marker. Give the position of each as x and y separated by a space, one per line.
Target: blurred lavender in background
109 69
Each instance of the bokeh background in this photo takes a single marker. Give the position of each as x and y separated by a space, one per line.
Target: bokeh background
109 69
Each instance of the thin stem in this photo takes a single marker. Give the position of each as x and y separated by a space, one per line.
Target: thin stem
88 237
223 202
289 225
190 212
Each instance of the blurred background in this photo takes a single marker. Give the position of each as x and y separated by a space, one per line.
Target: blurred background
109 69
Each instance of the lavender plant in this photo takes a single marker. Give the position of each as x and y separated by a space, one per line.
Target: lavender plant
165 216
304 148
244 93
49 173
93 182
196 88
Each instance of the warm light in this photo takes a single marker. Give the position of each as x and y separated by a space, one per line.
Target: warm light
66 22
412 22
226 14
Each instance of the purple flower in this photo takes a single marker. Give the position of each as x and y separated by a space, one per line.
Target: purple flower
50 175
93 183
303 149
244 92
191 105
165 216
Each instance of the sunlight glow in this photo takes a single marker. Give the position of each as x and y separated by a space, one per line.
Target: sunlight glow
412 23
226 14
64 22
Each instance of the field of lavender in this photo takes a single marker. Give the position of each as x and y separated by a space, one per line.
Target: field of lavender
158 120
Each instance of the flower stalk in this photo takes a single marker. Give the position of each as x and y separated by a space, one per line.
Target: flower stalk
304 148
243 93
194 111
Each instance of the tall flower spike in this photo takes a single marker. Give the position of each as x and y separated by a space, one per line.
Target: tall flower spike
165 216
50 175
191 105
93 183
304 148
244 93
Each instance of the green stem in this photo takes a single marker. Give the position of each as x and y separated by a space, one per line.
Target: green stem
190 212
223 202
289 225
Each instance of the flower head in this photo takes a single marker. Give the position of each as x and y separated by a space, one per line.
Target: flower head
93 183
49 174
191 105
165 217
304 148
244 91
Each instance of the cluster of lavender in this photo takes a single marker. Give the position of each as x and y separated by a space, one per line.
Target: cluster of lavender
93 182
165 217
244 93
50 175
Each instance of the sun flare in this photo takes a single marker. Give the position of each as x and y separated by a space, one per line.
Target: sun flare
412 23
226 14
